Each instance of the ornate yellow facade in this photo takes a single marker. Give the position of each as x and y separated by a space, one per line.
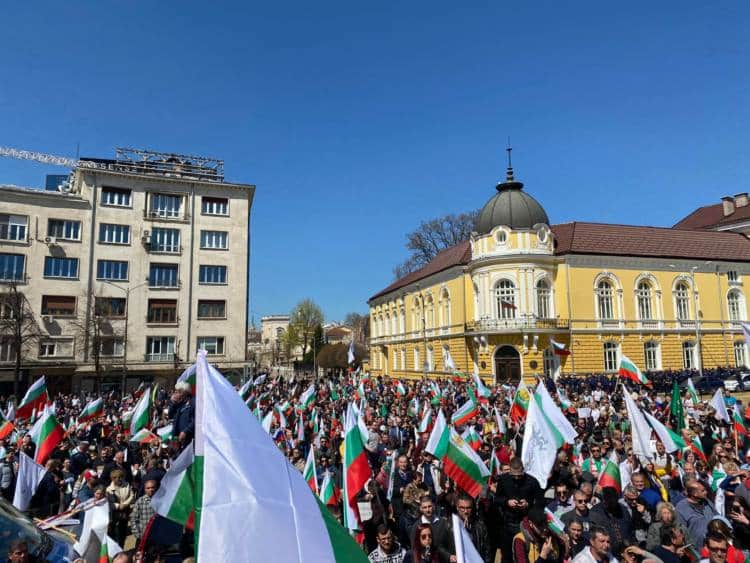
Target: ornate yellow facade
665 298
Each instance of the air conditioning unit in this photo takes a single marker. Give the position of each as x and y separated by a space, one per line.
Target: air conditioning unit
47 318
50 240
146 239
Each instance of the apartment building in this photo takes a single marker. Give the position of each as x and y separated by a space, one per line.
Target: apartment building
139 262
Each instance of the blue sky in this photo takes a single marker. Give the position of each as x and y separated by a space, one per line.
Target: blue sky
356 121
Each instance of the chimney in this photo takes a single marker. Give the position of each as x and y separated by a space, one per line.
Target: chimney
728 203
741 200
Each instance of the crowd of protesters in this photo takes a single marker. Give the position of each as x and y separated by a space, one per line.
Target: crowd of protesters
670 507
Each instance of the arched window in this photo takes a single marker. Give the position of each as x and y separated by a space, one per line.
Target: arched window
505 296
476 302
429 313
611 356
430 359
644 298
394 323
387 325
416 323
395 360
543 300
445 309
682 301
688 354
604 297
402 322
736 305
417 366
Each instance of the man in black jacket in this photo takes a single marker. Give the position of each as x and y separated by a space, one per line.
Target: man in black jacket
182 413
517 491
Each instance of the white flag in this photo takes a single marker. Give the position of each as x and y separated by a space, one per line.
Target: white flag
539 448
450 365
465 550
267 422
95 523
555 415
30 474
639 429
717 402
663 434
350 353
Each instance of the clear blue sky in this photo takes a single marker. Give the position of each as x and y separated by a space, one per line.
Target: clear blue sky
356 120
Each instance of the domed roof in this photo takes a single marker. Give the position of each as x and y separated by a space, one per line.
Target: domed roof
510 206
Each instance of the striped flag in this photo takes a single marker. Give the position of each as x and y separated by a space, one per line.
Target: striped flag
520 405
92 410
610 477
466 412
34 399
554 523
141 414
356 469
462 464
482 392
46 435
692 391
629 370
308 396
558 348
144 436
311 477
176 498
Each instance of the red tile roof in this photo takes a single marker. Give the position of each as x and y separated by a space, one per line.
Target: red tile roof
610 240
653 242
457 255
710 216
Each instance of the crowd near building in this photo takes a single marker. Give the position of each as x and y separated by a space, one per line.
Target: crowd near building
501 303
125 269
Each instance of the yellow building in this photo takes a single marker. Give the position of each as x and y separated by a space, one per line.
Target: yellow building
496 302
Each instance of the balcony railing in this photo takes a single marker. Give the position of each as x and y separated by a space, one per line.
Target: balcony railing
159 357
519 323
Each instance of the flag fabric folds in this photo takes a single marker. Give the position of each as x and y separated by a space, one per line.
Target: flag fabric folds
34 399
675 407
539 446
641 431
30 474
141 414
465 550
717 402
629 370
175 498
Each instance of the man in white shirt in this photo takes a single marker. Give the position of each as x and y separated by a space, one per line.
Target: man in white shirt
597 550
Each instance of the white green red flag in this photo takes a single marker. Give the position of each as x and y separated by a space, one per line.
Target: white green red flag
672 441
483 394
246 390
737 422
46 435
308 396
697 448
472 438
144 436
424 425
465 412
400 389
34 399
462 464
328 494
93 409
554 523
241 502
558 348
311 477
437 444
356 469
141 414
629 370
175 498
520 405
692 391
165 433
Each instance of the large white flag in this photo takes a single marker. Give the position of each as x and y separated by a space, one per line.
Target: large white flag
95 524
251 495
465 550
664 436
640 430
30 473
539 448
717 402
555 415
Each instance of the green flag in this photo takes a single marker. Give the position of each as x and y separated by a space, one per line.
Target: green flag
676 408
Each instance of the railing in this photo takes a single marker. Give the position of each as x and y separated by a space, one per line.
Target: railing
519 323
159 357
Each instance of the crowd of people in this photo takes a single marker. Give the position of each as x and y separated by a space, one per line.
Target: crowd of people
683 505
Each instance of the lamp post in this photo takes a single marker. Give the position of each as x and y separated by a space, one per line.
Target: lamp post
424 331
126 291
694 291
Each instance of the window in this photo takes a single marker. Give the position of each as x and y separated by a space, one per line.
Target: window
505 295
733 276
165 240
117 197
429 314
387 324
445 309
740 359
551 363
208 309
651 355
430 359
214 240
166 206
47 349
58 306
111 270
611 356
56 349
213 345
12 267
114 234
682 301
543 294
688 355
162 311
163 275
7 349
501 237
110 307
13 227
643 294
403 359
216 275
604 300
395 360
160 349
215 206
112 347
736 306
60 267
62 229
417 366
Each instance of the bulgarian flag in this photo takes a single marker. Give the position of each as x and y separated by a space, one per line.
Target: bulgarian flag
356 468
237 498
334 393
328 494
738 423
692 391
629 370
108 547
495 465
554 523
558 348
471 437
175 499
309 472
400 389
246 389
424 426
482 392
92 410
520 405
462 464
34 399
437 444
141 414
359 394
308 396
610 477
697 448
165 433
188 376
46 435
466 412
6 426
144 436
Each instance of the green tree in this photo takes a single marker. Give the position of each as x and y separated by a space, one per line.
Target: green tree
289 340
306 316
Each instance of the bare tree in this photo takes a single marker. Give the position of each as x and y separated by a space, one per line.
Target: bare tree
97 331
360 325
18 327
289 340
433 236
305 316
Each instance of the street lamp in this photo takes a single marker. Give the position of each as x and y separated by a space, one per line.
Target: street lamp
126 291
697 315
424 331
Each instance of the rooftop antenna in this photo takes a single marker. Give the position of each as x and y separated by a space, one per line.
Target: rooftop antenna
509 170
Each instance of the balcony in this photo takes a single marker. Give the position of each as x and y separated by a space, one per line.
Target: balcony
156 358
514 325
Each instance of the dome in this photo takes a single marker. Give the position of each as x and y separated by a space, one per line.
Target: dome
510 206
